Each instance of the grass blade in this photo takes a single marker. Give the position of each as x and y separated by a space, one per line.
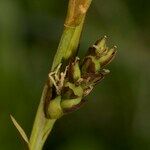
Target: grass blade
20 130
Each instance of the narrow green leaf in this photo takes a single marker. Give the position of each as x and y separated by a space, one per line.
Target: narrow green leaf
20 130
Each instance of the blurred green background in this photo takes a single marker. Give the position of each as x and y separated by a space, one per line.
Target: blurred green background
117 115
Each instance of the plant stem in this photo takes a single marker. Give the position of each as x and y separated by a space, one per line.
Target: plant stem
67 48
68 44
42 126
72 31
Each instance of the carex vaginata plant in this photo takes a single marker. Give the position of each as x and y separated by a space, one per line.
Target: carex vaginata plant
71 78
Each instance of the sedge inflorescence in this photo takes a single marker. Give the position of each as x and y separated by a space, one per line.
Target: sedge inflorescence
69 86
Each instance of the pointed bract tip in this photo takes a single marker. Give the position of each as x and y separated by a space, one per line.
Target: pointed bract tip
105 71
105 37
115 47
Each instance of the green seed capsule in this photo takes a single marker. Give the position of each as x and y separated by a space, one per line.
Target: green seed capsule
54 108
107 58
73 99
70 103
76 70
100 45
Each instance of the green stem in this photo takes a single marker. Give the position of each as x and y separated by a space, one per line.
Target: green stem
73 27
67 48
68 44
42 126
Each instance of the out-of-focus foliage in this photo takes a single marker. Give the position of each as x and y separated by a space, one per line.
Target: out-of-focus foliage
117 115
